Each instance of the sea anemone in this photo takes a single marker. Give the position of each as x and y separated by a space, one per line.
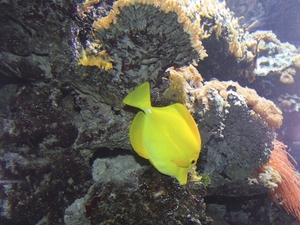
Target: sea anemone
287 192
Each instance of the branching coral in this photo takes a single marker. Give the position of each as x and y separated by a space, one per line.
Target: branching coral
286 191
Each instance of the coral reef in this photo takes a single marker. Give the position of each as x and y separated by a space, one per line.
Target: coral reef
216 107
64 71
187 79
220 102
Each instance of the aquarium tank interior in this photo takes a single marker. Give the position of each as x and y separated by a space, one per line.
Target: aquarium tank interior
157 112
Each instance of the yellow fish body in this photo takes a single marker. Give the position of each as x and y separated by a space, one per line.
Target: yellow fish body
167 136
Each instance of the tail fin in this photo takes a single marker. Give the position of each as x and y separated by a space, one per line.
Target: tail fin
139 97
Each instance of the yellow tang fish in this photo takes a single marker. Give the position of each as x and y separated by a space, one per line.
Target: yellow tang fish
167 136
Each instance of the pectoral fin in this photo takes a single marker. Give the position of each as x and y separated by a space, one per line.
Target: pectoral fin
181 163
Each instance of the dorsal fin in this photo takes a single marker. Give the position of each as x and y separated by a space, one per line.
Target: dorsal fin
189 119
139 97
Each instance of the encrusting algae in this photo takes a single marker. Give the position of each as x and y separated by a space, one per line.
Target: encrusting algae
102 60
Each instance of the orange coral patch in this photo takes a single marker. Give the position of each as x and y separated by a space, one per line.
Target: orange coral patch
296 61
286 78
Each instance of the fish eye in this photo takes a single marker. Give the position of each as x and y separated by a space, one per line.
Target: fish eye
193 161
